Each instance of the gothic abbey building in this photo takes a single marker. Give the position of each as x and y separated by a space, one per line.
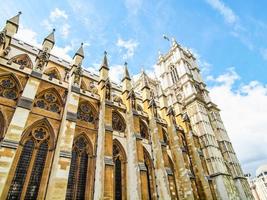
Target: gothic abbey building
66 133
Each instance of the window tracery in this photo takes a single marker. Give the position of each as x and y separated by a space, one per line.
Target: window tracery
119 160
76 187
143 130
118 123
174 74
35 147
23 60
53 73
85 113
49 100
149 174
117 99
8 87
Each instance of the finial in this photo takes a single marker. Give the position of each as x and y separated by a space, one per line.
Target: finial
105 61
80 51
19 13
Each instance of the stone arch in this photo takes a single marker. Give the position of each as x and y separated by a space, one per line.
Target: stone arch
80 179
34 158
118 122
83 85
87 112
53 72
165 135
144 131
2 125
23 60
119 159
150 175
49 99
117 99
10 86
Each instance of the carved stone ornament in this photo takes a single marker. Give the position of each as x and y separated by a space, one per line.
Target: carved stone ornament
7 50
42 59
77 74
2 36
108 89
67 74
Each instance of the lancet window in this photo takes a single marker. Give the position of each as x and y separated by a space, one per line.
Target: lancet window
79 170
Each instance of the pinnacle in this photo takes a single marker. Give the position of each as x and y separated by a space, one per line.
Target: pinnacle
51 37
105 61
15 20
80 51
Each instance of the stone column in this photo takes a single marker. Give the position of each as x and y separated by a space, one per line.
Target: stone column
133 175
203 184
183 183
58 180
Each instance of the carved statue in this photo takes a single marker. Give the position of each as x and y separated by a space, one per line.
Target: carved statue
42 59
2 36
67 74
108 92
77 74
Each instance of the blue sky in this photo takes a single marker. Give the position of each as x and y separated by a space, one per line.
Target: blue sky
229 38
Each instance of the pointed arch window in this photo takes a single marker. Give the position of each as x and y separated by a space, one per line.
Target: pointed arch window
53 73
118 123
9 86
149 174
86 112
78 175
32 161
165 136
143 130
174 74
119 160
23 60
49 100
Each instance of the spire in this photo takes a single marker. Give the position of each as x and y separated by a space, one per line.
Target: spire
14 20
80 51
104 62
126 72
50 37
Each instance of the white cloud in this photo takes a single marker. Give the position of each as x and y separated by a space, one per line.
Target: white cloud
57 19
243 112
129 46
116 73
57 13
29 36
65 29
228 14
133 6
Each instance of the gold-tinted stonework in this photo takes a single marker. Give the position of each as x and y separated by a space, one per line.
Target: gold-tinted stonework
66 133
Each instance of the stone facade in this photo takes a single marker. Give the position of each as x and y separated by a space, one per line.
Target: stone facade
67 133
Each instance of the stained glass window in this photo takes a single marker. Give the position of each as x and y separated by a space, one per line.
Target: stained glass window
119 171
143 130
8 88
49 100
21 171
78 169
34 153
118 122
85 113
